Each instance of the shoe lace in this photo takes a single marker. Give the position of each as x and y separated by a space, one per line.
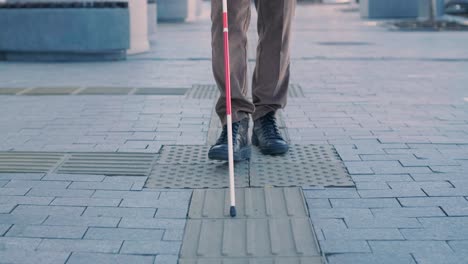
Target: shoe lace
270 130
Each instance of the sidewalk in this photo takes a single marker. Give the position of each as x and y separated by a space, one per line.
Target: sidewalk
394 105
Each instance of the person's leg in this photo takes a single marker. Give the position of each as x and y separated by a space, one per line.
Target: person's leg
238 19
271 74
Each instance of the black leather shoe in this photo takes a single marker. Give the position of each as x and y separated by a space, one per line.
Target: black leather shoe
241 147
267 136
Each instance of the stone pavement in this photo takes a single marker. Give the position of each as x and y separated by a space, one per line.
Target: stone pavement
393 104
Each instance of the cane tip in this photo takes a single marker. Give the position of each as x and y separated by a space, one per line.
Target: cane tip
233 212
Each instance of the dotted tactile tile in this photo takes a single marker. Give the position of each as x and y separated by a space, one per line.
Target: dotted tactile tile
185 154
203 91
250 203
313 174
299 154
196 176
127 164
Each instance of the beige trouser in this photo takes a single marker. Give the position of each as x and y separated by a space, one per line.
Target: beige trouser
271 74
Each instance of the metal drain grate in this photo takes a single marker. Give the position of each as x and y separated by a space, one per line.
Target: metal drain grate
196 176
129 164
17 162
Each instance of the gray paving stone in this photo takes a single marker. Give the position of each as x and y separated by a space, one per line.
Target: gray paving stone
173 235
456 211
119 186
127 194
171 213
22 219
363 234
403 192
150 247
372 185
318 203
73 177
365 203
27 256
421 247
86 201
408 212
434 201
331 193
42 231
429 258
155 223
66 220
18 243
124 234
86 258
339 212
382 178
159 203
60 192
120 212
6 208
14 191
4 228
41 210
460 246
344 246
37 184
74 245
21 176
166 259
25 200
366 258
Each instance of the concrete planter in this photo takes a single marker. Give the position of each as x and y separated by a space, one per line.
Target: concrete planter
376 9
177 10
64 33
138 26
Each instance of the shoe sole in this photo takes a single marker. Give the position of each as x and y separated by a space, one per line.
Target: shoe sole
243 154
269 151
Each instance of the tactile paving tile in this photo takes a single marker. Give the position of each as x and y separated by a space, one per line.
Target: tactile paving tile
161 91
314 174
128 164
196 176
260 237
203 91
299 154
250 203
185 154
277 260
105 91
11 91
51 91
29 161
